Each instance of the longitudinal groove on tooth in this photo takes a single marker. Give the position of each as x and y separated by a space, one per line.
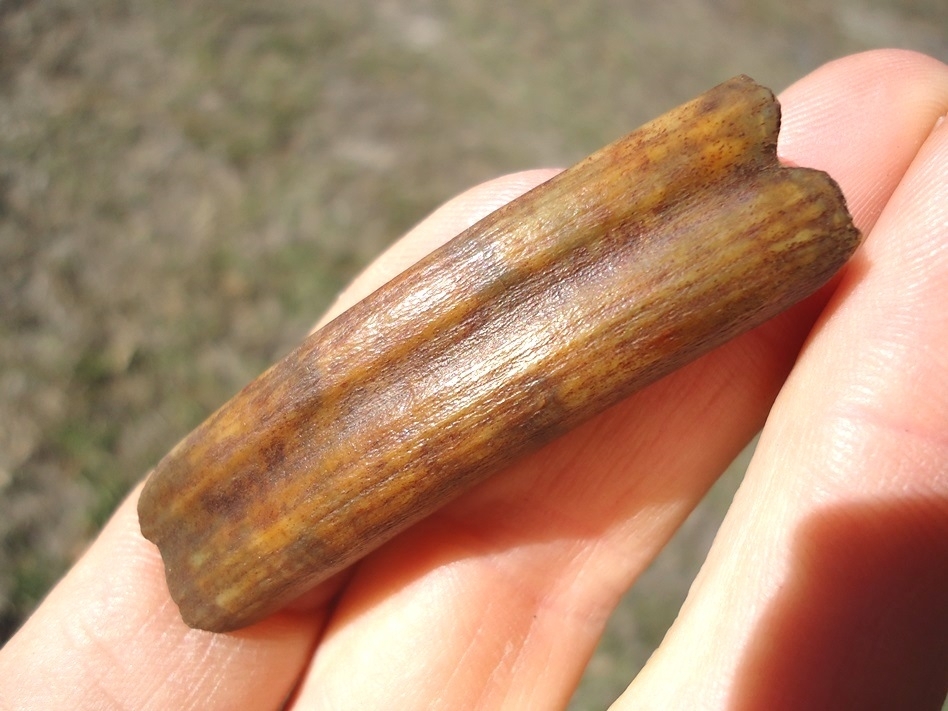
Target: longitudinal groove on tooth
635 261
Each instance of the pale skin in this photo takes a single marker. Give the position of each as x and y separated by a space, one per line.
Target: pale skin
826 587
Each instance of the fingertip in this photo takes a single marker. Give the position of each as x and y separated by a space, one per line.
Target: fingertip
862 119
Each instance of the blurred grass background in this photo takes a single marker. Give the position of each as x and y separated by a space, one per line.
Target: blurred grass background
184 187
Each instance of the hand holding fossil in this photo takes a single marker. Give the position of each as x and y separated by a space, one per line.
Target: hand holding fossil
835 548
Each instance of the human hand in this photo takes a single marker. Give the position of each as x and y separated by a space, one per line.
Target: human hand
825 588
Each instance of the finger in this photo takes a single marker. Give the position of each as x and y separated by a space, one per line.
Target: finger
500 597
109 636
868 131
825 588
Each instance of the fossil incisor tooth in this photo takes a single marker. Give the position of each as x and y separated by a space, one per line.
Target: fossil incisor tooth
640 258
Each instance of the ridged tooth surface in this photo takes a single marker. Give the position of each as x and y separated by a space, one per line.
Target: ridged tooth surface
637 260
